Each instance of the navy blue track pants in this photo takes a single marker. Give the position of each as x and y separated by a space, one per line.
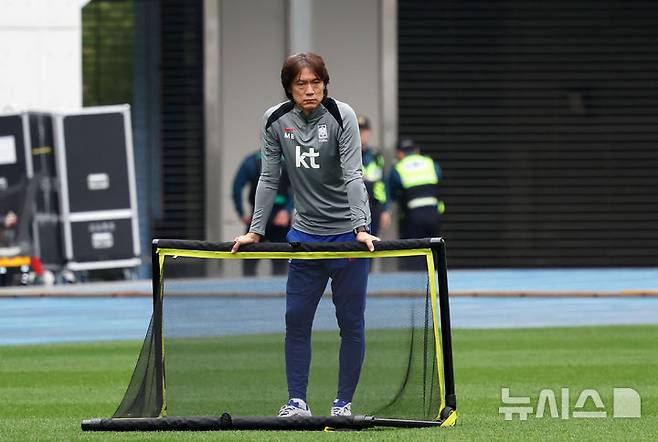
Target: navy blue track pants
307 280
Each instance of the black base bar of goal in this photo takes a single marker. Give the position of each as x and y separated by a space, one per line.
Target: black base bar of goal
228 422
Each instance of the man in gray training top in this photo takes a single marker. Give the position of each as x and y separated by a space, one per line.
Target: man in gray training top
318 139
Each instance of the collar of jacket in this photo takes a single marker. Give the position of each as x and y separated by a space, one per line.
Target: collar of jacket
317 113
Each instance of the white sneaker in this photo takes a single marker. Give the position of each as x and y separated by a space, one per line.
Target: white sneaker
295 407
341 408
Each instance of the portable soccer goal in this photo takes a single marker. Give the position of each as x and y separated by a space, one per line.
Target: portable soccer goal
213 356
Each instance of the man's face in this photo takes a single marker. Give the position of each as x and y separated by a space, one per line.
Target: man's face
365 137
307 90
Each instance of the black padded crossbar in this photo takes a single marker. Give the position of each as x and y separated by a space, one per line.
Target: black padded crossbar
400 244
228 422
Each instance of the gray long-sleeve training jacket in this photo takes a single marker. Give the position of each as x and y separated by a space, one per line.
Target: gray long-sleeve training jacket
322 154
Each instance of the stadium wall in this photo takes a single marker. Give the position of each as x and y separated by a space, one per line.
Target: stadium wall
543 117
40 49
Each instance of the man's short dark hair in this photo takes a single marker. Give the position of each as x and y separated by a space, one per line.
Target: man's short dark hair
294 64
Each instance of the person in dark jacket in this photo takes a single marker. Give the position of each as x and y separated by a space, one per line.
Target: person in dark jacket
8 224
279 221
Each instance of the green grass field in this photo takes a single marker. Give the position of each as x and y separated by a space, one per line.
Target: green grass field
45 391
257 361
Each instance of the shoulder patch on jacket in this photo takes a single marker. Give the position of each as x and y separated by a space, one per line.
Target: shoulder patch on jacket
332 107
278 113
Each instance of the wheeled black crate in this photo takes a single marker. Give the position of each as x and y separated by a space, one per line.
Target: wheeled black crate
97 197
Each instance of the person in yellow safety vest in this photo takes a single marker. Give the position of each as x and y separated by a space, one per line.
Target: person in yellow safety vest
373 178
414 184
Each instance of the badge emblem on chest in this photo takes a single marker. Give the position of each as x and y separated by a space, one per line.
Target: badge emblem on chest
323 135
